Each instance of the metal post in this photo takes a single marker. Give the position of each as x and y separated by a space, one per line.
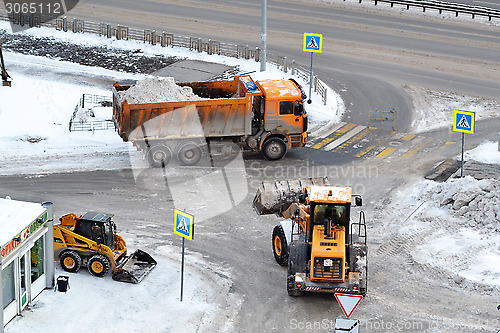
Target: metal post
498 141
49 245
310 80
462 169
182 268
263 36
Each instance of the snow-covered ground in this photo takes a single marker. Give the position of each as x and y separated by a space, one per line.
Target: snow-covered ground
452 228
44 145
102 305
433 108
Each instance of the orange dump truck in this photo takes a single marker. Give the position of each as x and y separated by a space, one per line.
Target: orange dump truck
266 116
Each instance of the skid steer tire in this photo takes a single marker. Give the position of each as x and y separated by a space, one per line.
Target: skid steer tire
297 263
70 261
280 246
98 265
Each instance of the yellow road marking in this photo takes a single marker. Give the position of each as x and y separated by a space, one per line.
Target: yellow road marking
370 148
449 143
351 141
346 128
386 152
415 149
333 136
409 137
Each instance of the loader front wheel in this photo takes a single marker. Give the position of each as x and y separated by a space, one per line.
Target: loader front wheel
280 247
274 149
98 265
70 261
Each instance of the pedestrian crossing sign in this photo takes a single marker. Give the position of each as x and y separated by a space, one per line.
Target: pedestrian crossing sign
313 42
183 224
464 121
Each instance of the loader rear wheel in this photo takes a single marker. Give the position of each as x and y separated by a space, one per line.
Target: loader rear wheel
189 154
159 156
280 247
98 265
274 149
70 261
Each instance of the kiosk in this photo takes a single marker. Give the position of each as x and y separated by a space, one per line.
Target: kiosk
27 254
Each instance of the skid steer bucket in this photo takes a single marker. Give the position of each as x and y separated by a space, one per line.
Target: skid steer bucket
134 268
275 197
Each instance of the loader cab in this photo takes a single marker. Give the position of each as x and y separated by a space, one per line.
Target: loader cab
337 213
97 226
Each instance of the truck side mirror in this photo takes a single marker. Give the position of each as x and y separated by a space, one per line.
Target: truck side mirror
358 201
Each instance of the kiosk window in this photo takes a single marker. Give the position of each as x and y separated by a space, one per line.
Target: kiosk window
37 260
8 285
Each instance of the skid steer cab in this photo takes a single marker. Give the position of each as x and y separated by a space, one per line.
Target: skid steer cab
91 240
323 249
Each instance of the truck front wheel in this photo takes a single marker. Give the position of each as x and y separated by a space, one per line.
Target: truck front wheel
280 247
274 149
159 156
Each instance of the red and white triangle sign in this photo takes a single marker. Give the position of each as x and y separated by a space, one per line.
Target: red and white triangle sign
348 303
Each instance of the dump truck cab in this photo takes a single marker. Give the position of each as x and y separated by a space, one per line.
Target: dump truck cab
284 114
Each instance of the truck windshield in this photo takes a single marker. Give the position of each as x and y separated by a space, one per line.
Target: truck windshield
337 213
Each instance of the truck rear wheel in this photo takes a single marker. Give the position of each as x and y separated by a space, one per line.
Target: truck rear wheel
98 265
159 156
274 149
70 261
297 263
189 154
280 247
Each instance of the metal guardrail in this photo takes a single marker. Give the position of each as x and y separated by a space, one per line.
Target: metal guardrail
382 116
163 38
94 100
442 6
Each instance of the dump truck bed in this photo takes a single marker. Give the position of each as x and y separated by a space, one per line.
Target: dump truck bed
224 111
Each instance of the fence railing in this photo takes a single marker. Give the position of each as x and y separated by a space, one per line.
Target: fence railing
162 38
442 6
93 100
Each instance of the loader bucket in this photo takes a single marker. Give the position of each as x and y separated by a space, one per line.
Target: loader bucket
275 197
134 268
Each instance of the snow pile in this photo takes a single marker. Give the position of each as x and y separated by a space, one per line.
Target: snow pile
450 229
487 153
478 201
158 90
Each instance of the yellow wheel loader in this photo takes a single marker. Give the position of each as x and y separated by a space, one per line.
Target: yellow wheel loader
324 250
91 240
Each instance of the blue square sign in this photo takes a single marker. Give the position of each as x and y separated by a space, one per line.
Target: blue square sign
313 42
464 121
183 224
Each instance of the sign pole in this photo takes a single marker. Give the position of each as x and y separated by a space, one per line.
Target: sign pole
263 37
182 268
462 170
310 80
184 227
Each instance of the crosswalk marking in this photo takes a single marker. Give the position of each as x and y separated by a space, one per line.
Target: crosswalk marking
324 141
408 137
346 128
422 142
344 138
349 142
371 147
386 151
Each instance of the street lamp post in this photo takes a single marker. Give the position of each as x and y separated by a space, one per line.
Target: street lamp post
263 36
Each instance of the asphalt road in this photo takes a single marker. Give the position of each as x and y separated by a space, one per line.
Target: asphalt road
368 54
